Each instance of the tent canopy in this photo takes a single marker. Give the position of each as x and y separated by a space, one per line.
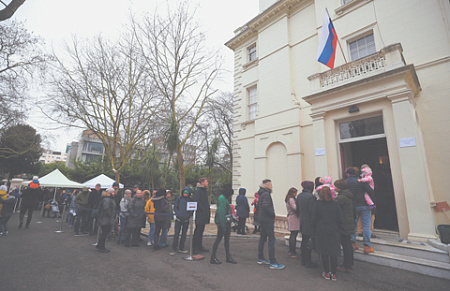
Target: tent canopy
56 179
104 180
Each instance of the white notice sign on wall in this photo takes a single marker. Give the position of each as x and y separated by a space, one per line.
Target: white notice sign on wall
407 142
320 152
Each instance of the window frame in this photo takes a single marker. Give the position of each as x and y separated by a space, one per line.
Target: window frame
358 38
252 55
252 105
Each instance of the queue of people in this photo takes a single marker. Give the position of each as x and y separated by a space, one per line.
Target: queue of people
324 213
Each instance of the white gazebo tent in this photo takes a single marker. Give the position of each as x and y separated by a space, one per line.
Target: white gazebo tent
56 179
104 180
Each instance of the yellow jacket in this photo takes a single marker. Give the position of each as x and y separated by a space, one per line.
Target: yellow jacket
149 207
4 196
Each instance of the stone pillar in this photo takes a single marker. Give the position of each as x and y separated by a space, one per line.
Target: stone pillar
413 169
321 163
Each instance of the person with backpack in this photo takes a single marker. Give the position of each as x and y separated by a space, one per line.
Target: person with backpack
181 221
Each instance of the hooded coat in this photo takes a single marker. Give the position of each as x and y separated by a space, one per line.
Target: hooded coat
180 207
265 205
223 208
242 206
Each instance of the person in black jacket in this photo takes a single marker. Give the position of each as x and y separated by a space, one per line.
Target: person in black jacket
29 198
345 201
305 205
107 215
202 215
361 208
327 222
267 220
162 215
93 202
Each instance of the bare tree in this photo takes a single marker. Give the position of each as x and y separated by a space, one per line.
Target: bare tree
106 88
19 57
9 8
183 71
220 116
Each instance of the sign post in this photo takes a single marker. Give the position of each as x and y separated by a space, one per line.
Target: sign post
191 206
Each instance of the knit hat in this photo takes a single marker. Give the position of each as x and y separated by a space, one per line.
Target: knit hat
187 190
242 191
110 190
34 183
309 185
115 184
3 187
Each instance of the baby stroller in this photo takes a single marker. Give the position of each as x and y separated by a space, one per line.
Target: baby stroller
234 224
54 209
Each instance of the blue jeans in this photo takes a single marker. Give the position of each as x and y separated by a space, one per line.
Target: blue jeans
122 236
365 214
163 238
267 231
151 232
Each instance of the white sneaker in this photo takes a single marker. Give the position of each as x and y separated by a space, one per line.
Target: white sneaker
172 253
149 243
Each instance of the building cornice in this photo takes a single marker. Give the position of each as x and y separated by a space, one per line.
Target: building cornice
250 29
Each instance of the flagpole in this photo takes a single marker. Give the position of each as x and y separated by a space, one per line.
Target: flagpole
342 51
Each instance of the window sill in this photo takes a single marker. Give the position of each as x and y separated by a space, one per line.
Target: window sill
245 123
250 64
352 4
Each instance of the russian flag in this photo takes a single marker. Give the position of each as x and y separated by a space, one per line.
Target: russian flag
327 42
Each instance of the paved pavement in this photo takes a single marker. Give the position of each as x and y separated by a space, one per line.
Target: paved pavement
38 258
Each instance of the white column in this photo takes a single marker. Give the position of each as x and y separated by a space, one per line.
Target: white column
321 164
413 169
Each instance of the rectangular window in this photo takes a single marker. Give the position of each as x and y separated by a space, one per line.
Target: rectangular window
361 128
93 147
251 52
362 47
252 93
346 1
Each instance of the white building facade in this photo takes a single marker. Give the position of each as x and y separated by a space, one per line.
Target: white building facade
295 119
49 156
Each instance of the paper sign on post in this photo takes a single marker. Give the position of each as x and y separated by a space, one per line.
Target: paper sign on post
191 206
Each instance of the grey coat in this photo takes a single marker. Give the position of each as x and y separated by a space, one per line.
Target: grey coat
136 210
107 212
305 206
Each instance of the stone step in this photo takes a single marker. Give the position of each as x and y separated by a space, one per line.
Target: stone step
417 265
408 248
397 253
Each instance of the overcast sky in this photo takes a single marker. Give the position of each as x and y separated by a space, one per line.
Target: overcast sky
57 21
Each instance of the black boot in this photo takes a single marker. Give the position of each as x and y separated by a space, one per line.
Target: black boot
231 261
214 260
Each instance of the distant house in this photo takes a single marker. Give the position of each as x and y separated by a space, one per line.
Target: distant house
89 147
49 156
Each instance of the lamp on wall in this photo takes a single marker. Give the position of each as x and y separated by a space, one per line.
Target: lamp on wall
353 109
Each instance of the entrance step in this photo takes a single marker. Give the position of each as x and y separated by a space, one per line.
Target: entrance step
413 264
392 251
408 248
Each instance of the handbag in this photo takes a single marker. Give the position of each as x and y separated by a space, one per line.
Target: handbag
228 218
